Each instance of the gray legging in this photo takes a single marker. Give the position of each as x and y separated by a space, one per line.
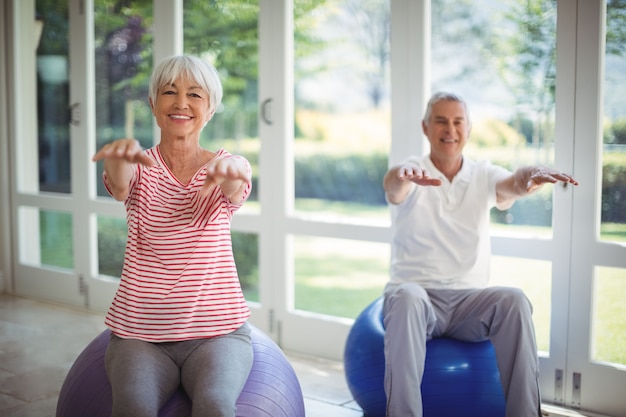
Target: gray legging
212 371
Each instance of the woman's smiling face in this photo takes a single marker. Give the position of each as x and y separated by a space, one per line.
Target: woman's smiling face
182 108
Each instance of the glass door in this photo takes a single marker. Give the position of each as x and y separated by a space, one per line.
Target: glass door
126 47
596 353
121 57
70 234
46 198
91 59
331 220
227 33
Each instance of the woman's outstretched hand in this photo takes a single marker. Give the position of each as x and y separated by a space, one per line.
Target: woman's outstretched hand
124 149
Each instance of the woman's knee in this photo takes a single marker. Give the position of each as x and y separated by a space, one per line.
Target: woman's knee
141 377
219 401
216 372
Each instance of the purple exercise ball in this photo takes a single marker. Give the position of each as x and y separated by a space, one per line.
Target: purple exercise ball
272 388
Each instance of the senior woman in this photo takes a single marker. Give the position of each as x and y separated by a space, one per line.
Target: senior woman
179 317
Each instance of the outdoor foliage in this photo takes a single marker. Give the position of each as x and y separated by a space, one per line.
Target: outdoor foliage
54 38
246 253
615 132
614 190
123 57
356 179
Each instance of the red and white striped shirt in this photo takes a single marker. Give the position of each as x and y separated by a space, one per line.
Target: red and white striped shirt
179 280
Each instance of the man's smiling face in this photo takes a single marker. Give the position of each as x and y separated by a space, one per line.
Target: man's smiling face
447 129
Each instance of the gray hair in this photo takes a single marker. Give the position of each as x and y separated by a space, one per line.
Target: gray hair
195 69
445 96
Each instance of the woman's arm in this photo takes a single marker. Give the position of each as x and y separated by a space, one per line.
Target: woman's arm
120 158
231 174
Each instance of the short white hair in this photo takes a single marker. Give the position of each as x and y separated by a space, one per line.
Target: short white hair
187 66
445 96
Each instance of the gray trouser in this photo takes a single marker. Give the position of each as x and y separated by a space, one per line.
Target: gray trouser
413 315
212 371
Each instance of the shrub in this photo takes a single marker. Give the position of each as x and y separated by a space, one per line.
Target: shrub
618 128
351 178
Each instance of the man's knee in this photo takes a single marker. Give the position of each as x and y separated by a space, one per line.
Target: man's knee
514 301
406 297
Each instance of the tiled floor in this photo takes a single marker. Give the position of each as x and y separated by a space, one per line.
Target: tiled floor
40 341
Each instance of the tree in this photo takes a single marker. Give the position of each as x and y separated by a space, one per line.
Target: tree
616 30
123 63
459 34
226 33
369 24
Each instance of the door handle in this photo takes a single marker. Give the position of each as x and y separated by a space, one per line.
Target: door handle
266 111
74 114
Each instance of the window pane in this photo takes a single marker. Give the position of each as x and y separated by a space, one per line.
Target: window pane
613 219
53 97
609 315
338 277
535 279
226 34
57 248
112 233
123 57
500 56
246 253
342 108
51 241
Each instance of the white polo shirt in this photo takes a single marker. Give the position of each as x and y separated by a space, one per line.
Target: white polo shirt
441 233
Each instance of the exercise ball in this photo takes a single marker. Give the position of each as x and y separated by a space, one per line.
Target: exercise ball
272 388
461 379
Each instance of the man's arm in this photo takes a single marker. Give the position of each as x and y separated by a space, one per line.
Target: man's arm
524 181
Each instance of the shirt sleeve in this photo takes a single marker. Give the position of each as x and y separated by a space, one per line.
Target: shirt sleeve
495 174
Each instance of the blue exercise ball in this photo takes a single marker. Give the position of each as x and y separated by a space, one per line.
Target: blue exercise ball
460 379
272 388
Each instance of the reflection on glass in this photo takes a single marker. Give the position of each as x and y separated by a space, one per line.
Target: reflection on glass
535 279
609 315
112 233
246 252
226 34
613 208
123 57
342 108
500 57
53 97
338 277
51 241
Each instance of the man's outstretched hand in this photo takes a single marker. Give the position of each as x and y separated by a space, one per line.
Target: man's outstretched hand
417 175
